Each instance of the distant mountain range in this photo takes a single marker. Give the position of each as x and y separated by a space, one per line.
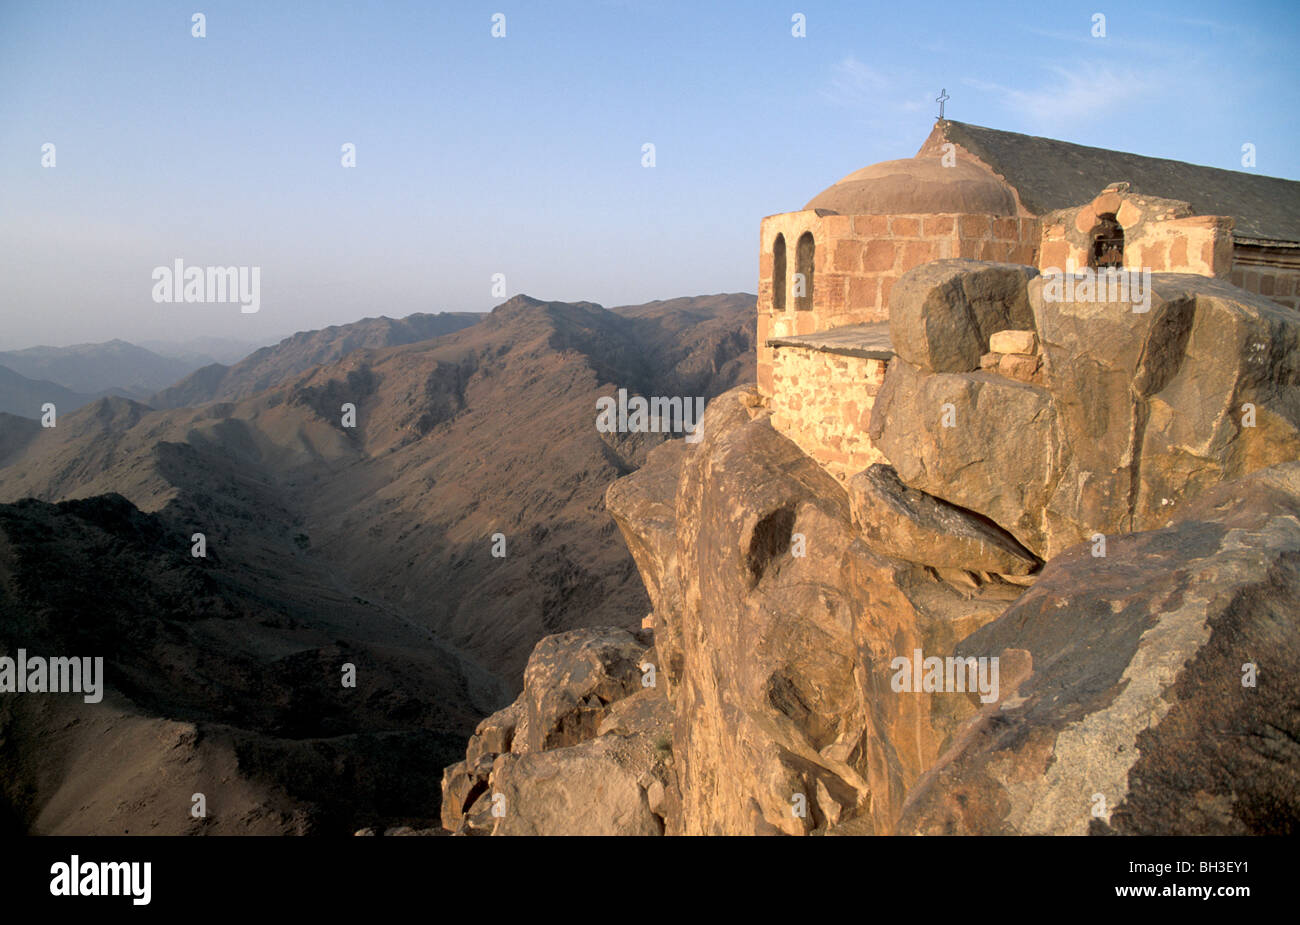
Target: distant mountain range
96 368
371 545
173 375
204 349
24 397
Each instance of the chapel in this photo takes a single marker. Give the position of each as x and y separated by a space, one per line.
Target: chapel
826 270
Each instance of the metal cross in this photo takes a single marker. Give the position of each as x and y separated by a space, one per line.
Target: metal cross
942 98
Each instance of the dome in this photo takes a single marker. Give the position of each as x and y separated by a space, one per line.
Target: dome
917 185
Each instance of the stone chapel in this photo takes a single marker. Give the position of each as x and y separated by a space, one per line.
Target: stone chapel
826 270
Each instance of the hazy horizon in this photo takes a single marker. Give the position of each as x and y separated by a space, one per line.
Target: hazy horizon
522 155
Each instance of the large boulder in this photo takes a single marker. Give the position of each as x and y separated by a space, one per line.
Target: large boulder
1152 405
977 440
606 786
1139 411
941 314
570 679
1163 696
905 523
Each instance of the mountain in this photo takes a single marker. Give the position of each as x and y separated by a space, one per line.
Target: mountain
204 350
389 526
1067 609
95 368
223 676
22 396
271 365
490 429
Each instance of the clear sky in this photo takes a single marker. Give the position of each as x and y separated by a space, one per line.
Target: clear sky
522 155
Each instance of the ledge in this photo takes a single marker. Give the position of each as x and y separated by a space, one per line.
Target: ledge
868 341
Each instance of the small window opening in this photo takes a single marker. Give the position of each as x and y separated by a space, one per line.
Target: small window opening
1107 244
803 281
778 274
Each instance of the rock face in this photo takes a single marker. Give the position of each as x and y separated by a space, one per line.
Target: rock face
864 658
1152 406
777 625
908 524
585 749
1163 695
941 314
976 440
1120 674
1139 410
570 679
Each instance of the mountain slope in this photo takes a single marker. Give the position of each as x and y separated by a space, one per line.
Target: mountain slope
220 673
370 544
488 430
24 397
270 365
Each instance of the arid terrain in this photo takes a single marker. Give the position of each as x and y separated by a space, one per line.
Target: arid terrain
325 546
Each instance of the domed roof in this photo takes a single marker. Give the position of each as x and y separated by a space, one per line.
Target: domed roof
917 185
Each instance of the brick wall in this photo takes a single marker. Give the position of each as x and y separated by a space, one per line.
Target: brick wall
822 401
1281 284
858 259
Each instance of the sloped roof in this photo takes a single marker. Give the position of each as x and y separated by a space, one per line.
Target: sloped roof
1050 174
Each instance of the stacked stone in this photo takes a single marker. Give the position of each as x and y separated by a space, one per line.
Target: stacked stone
1014 354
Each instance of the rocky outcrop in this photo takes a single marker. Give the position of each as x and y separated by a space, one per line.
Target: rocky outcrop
892 655
941 314
1139 411
1120 674
902 522
570 679
584 750
1162 698
787 623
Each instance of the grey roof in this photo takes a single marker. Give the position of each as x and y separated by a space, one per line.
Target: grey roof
1050 174
870 341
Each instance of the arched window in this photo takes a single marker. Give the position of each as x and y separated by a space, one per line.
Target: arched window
1107 243
778 274
803 281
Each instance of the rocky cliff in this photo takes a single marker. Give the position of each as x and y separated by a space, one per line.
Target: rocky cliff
1068 605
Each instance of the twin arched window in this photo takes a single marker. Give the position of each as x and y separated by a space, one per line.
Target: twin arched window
805 250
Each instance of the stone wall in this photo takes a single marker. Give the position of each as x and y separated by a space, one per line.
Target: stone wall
822 401
1270 271
858 258
1160 235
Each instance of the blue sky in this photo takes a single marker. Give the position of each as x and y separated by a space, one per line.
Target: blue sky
522 155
